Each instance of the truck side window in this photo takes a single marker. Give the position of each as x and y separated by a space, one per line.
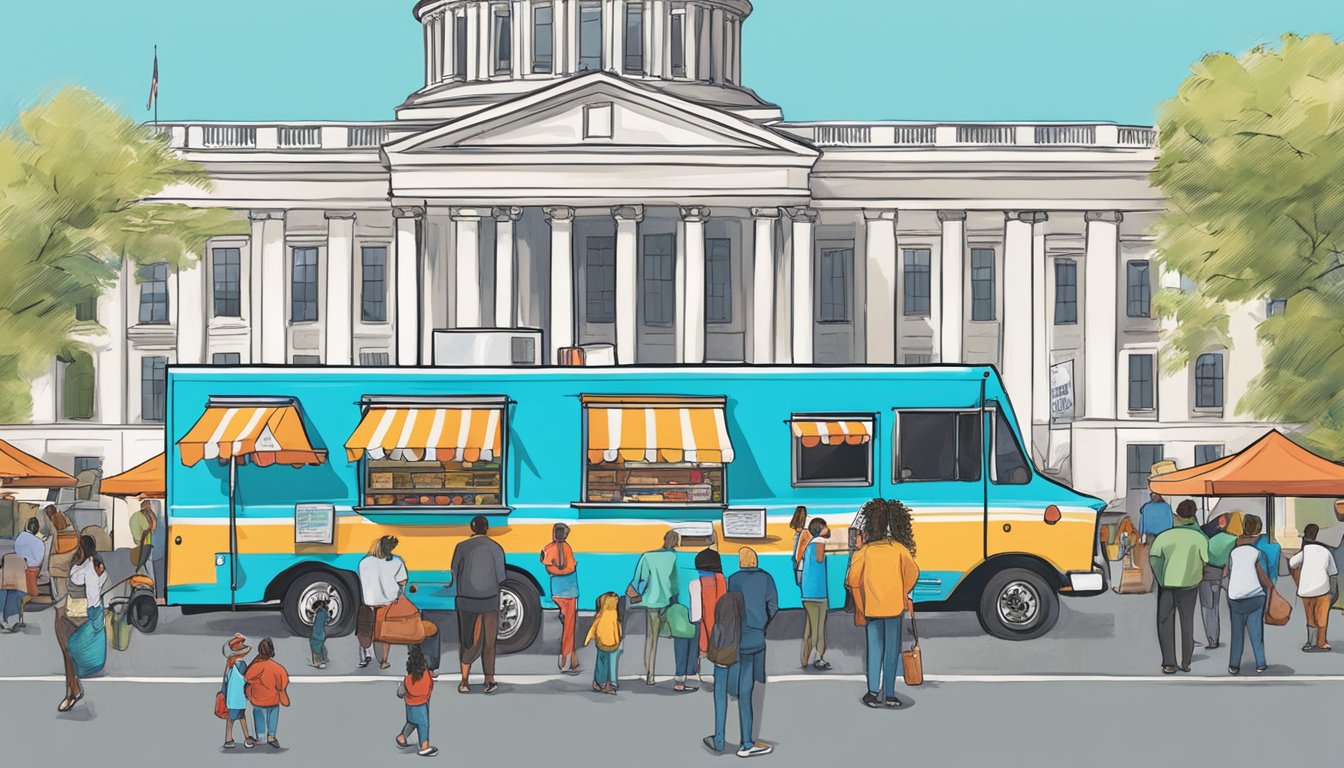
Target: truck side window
1010 466
938 445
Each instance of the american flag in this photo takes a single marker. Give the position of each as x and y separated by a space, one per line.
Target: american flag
154 82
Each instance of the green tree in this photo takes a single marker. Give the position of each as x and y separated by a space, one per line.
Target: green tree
1251 161
73 175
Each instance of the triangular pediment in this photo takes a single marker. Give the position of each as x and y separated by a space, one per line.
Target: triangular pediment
602 113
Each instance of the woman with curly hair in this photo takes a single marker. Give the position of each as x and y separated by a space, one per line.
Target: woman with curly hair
881 575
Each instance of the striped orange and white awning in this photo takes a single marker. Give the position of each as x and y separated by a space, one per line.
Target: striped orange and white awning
663 432
427 434
843 432
267 433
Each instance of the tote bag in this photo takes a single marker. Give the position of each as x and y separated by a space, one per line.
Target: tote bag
1277 609
399 623
912 662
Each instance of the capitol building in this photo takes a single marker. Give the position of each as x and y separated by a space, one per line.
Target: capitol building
596 174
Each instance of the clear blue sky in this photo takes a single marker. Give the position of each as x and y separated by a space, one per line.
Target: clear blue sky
819 59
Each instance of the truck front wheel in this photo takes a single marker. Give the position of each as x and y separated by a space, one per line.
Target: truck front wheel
298 602
1018 604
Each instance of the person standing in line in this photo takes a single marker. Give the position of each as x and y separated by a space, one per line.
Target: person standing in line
704 592
606 632
147 537
1154 519
268 690
816 593
654 587
477 571
1248 586
317 640
1178 556
882 574
722 651
31 548
558 558
1314 565
64 546
13 586
760 603
382 576
234 689
1221 542
415 690
800 537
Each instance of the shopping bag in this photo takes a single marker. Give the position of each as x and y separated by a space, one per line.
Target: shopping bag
1277 610
912 662
221 706
399 623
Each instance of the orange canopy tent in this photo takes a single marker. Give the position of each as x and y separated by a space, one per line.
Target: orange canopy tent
20 470
145 479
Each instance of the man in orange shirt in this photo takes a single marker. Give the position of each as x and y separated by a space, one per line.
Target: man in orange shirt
881 575
267 682
558 557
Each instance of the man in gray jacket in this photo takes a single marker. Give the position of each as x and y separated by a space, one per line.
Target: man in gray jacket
477 570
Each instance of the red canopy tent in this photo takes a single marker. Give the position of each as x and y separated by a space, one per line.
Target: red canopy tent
1271 466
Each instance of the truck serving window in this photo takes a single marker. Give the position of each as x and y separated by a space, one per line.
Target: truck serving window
655 450
391 483
832 449
1010 466
937 445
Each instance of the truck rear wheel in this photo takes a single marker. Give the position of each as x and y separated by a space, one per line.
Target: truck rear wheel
519 614
297 605
1018 604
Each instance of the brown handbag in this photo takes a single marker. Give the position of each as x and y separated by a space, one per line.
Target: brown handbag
912 662
66 542
1277 609
399 623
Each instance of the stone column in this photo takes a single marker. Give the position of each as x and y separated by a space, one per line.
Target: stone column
190 305
952 263
42 393
408 271
1019 317
614 37
656 49
111 382
339 347
561 220
627 281
274 293
1101 271
253 271
718 65
467 258
763 286
880 249
691 50
504 249
802 221
1040 338
692 247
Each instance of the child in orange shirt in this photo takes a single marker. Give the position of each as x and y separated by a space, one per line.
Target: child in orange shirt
415 689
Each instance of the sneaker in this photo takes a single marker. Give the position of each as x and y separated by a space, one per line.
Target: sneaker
491 687
892 703
755 750
1309 647
709 742
274 743
821 664
871 700
428 752
249 743
230 745
1213 646
1184 667
1234 671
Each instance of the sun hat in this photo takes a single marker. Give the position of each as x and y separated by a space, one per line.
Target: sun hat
235 646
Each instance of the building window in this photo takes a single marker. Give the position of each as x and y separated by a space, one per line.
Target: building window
982 284
1209 380
634 39
86 311
501 32
543 39
660 289
226 358
937 445
85 463
153 280
1139 464
1275 307
917 261
1010 465
307 360
678 34
601 279
590 35
153 387
374 358
1140 382
1207 453
918 359
835 280
373 280
1066 292
833 462
718 281
1138 289
303 290
460 47
226 274
77 391
597 122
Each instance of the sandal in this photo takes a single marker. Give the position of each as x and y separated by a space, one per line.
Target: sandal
597 688
403 743
384 665
464 688
230 744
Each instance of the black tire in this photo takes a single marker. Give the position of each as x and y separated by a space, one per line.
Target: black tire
143 612
518 631
1030 606
343 603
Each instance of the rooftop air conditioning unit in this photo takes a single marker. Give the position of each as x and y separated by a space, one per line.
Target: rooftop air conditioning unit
487 347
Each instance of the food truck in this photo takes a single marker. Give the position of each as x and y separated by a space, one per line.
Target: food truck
280 478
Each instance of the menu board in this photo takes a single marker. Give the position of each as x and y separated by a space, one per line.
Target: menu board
314 524
744 523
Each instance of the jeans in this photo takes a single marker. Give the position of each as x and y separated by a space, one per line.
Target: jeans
1248 618
265 719
1209 590
417 715
10 599
883 655
687 652
1171 604
721 677
604 670
743 673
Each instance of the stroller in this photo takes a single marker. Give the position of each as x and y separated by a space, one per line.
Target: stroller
136 606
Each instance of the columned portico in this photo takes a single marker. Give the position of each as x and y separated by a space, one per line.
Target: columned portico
504 253
952 262
339 348
1020 265
803 220
467 264
880 248
692 245
408 272
763 285
561 220
627 281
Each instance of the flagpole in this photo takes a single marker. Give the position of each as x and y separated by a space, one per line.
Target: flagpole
156 88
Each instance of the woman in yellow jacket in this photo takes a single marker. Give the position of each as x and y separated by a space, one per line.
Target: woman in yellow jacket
881 575
606 630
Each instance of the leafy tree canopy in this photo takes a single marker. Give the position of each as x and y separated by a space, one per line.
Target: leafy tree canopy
1251 161
73 173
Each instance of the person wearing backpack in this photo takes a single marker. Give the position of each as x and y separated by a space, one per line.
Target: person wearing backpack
1313 567
705 591
721 650
760 603
606 630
